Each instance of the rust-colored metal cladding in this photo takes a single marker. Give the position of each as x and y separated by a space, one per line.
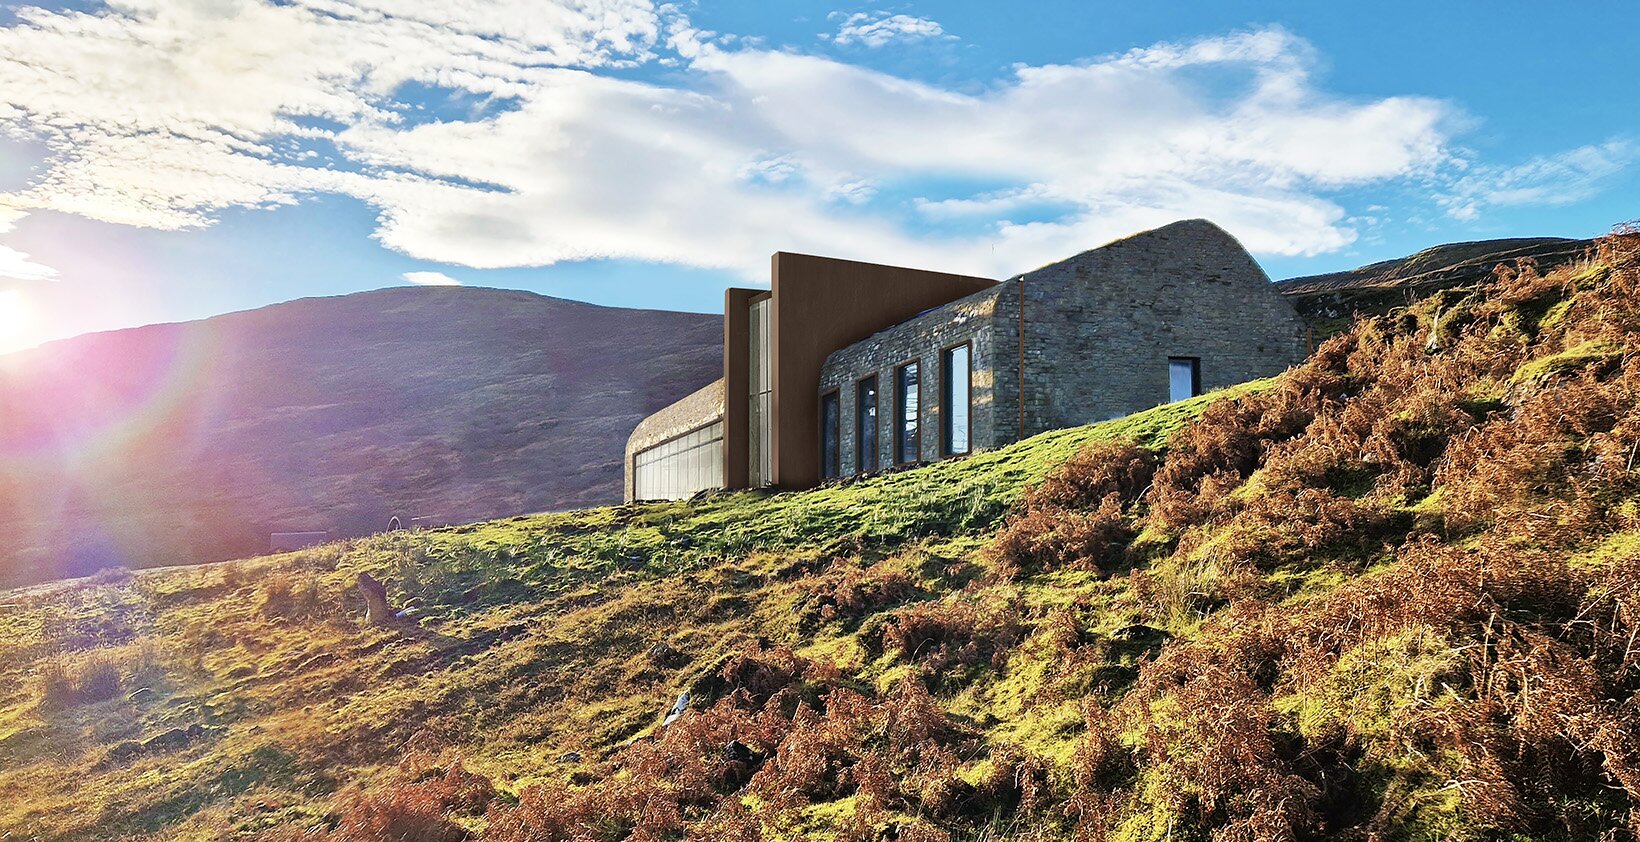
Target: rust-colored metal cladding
737 384
1157 316
774 344
820 304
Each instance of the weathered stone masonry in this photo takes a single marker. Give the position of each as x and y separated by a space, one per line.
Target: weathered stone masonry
923 339
1083 340
1098 331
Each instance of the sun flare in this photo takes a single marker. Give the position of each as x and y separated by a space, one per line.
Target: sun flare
19 321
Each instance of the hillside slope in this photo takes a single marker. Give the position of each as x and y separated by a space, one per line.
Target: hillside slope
191 442
1330 301
1392 594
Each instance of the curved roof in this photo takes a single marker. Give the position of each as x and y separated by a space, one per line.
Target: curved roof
695 411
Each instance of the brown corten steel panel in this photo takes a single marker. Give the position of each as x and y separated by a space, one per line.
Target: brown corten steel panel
821 304
737 327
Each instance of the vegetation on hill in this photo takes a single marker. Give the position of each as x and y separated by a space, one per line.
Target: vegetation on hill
1392 594
183 443
1331 302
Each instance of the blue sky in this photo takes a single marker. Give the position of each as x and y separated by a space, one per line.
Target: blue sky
171 159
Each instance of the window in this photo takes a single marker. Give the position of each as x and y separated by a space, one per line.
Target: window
907 429
865 425
1184 378
956 400
760 459
679 467
830 463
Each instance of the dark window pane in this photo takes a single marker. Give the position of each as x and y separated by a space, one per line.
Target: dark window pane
907 433
1184 378
829 465
865 431
956 403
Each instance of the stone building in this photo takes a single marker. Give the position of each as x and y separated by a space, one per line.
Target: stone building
843 367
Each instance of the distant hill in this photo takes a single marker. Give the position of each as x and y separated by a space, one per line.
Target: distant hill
192 442
1328 301
175 444
1390 594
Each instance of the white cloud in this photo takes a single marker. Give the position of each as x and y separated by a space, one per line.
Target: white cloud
16 265
879 29
161 113
1561 179
431 279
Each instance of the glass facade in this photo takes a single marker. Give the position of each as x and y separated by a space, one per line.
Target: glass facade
956 401
830 443
760 461
680 467
907 423
865 425
1184 378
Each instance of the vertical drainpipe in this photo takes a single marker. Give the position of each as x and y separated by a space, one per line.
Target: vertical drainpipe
1021 432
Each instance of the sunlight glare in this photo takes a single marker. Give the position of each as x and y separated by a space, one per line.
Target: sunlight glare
19 327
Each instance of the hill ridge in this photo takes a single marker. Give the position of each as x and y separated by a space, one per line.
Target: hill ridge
1302 608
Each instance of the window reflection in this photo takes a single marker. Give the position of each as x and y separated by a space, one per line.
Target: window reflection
956 404
680 467
907 425
865 425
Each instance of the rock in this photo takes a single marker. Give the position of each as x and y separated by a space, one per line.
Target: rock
659 653
376 609
570 757
678 709
738 752
139 694
408 614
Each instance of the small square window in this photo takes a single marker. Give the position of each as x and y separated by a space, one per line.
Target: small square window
1184 378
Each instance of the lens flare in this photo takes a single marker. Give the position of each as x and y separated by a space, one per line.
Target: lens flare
19 322
82 427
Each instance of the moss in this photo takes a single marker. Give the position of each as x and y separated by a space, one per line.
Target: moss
1374 684
1621 546
575 631
1580 356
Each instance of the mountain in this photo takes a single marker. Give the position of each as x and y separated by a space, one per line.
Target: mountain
182 443
1392 593
192 442
1329 301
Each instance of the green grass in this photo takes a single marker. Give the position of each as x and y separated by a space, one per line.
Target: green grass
530 644
1569 360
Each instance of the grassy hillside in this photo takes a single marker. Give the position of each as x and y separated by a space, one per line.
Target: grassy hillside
192 442
1392 594
1330 302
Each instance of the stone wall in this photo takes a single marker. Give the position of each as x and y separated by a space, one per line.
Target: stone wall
1098 331
1100 326
924 339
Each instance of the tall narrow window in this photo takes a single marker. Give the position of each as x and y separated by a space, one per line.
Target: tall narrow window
865 425
760 416
1184 378
907 424
956 400
830 463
